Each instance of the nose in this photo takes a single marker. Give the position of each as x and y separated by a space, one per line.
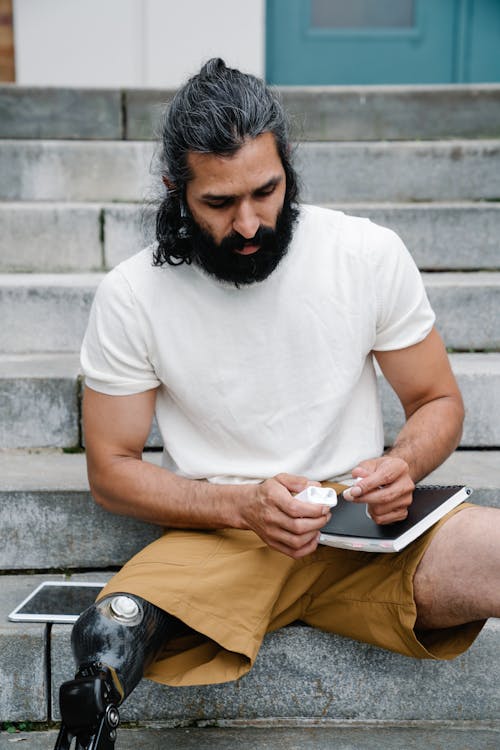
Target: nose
246 222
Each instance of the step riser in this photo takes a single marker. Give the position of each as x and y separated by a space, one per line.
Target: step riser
399 172
53 531
53 238
118 171
46 509
53 318
317 113
42 410
299 673
84 238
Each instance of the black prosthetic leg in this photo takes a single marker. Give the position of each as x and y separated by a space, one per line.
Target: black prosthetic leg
113 642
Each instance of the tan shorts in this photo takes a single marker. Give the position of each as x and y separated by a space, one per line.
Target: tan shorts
231 589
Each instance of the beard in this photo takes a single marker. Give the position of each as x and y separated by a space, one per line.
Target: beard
222 260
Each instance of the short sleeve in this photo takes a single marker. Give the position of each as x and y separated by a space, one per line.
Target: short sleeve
114 355
404 314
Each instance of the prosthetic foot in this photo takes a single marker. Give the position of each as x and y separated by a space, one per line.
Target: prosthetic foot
113 642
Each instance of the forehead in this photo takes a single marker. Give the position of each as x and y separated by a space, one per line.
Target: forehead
254 164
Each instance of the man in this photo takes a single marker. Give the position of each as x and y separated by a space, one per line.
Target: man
250 328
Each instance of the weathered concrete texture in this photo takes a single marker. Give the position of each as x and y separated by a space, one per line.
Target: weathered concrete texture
301 672
304 736
145 108
369 113
467 308
74 171
65 530
347 113
48 238
48 519
127 229
441 236
39 401
49 312
411 171
23 684
45 312
478 377
379 171
36 112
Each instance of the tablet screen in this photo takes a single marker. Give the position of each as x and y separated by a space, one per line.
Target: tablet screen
56 602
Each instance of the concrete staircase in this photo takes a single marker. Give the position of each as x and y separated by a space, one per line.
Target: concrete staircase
74 169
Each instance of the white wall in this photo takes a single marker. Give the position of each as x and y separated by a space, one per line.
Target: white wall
119 43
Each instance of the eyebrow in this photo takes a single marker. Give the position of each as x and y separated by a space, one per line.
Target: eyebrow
270 183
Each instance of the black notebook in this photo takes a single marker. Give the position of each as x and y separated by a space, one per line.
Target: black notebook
351 528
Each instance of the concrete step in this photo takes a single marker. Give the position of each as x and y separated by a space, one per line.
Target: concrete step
363 113
317 112
287 735
88 237
39 396
331 172
61 527
39 401
300 673
49 312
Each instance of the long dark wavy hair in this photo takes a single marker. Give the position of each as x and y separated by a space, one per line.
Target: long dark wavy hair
214 112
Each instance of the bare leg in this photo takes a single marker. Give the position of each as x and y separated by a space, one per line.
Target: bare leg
458 578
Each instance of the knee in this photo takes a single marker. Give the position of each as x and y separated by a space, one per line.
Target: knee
122 632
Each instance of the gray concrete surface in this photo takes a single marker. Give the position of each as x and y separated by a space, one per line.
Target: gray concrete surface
23 668
359 112
49 312
38 112
74 170
45 312
478 378
400 171
86 237
441 236
302 672
48 519
50 237
39 396
467 308
39 401
330 172
368 736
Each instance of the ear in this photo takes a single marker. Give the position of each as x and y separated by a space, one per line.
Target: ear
168 184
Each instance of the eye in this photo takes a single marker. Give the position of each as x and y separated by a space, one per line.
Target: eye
265 191
218 203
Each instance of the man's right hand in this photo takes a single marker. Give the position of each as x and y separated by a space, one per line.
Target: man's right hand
283 522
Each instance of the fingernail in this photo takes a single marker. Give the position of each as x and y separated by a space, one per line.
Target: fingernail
356 491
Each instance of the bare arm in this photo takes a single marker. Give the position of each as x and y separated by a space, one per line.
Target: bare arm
116 429
424 382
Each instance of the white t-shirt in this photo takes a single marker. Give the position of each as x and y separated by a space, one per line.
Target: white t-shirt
270 377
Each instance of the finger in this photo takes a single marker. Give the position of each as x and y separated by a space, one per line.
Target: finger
383 518
302 525
293 482
400 493
388 472
382 491
295 551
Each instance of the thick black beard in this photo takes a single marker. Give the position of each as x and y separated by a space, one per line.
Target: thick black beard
223 262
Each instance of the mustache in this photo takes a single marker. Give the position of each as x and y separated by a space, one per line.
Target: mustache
235 241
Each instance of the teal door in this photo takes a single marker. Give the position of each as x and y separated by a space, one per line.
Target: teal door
321 42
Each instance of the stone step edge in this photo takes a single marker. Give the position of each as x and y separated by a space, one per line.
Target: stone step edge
53 470
302 648
89 279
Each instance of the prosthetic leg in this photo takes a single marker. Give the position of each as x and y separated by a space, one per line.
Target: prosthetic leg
113 642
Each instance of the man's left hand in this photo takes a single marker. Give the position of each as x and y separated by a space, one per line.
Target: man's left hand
385 485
